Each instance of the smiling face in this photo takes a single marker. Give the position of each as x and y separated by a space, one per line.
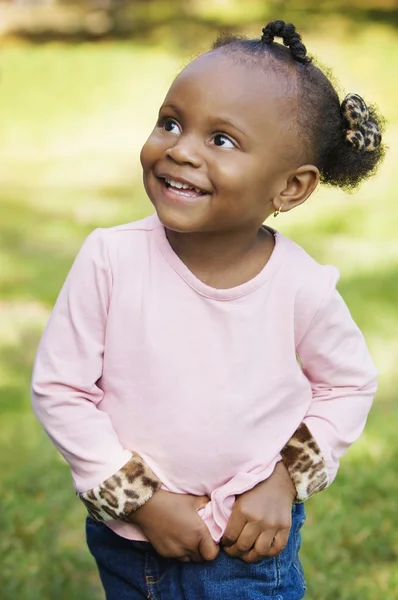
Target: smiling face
223 147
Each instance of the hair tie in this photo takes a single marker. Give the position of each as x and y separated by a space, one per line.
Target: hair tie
290 37
360 131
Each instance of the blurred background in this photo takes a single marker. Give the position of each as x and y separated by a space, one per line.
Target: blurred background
80 86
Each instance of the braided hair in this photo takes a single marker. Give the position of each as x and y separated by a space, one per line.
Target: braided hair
343 140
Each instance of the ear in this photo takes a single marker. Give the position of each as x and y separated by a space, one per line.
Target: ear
300 186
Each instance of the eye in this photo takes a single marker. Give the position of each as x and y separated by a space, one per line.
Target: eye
223 141
170 125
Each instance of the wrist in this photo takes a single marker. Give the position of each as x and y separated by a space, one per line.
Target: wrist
143 514
282 473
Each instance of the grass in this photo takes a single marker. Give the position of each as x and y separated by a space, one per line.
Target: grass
73 121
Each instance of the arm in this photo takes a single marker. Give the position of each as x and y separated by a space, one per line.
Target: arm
336 361
112 481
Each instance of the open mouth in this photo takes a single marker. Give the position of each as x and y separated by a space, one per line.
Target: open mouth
183 189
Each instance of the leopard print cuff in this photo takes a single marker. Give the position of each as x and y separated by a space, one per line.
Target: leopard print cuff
303 459
124 492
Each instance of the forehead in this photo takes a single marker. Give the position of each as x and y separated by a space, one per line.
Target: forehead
218 85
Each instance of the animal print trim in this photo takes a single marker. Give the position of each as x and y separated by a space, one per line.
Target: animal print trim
303 459
360 131
120 495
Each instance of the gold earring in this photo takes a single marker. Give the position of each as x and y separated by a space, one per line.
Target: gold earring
276 212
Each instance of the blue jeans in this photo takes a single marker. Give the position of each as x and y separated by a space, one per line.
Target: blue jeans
134 571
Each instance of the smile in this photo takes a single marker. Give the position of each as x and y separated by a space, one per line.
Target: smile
182 188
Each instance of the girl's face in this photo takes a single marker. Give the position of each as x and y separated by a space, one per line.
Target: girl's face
223 147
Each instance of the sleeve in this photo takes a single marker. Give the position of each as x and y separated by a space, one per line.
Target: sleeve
335 360
111 480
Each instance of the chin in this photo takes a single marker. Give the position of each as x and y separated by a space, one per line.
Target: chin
181 221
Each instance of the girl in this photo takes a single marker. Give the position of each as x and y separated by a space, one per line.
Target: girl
168 375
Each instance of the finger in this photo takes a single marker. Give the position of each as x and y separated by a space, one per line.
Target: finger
279 543
262 547
192 549
234 528
246 540
266 548
281 539
196 557
207 547
192 554
184 559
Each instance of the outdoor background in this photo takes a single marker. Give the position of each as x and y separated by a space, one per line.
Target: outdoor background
80 85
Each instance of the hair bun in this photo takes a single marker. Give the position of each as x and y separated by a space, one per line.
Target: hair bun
360 131
290 37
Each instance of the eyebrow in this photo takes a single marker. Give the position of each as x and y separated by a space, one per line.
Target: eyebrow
226 121
220 121
172 106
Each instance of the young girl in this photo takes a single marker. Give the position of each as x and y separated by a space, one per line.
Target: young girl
200 373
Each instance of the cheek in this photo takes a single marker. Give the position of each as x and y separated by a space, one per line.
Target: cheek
150 152
225 172
245 186
145 154
236 175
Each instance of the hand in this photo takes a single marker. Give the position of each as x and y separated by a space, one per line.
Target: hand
172 525
261 518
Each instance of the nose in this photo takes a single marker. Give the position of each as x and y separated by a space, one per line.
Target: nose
185 151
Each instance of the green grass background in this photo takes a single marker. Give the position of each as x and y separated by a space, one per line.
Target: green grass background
73 119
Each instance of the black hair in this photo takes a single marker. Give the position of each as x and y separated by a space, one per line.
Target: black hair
322 123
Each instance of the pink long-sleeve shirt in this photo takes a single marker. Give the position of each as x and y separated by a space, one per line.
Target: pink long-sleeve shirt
203 383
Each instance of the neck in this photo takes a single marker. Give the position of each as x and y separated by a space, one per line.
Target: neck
217 252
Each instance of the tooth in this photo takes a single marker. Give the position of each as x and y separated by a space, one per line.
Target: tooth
179 185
